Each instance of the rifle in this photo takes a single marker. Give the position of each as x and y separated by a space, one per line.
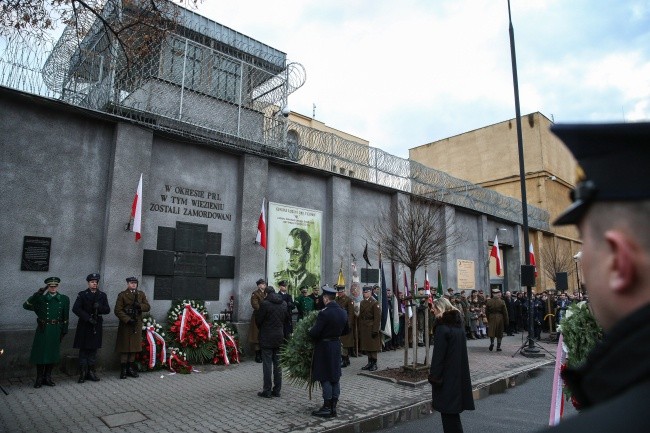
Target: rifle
133 310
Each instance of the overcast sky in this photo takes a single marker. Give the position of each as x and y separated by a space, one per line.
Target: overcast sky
405 73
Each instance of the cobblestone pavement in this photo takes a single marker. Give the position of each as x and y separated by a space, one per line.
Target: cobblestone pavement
224 399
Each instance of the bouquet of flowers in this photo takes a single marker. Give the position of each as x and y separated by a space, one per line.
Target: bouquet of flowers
189 329
226 339
178 361
580 334
154 349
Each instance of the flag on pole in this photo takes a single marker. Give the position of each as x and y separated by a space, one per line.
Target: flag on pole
365 255
136 212
385 322
395 307
439 289
406 294
355 274
427 286
557 400
531 253
496 254
261 226
340 281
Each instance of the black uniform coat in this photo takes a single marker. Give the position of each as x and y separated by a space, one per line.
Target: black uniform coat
89 336
449 372
129 337
331 323
271 320
52 324
613 386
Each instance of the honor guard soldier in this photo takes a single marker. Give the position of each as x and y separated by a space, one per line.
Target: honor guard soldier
130 305
257 297
347 341
369 323
89 306
497 315
52 309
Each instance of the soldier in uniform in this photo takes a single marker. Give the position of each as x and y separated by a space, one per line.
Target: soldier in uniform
89 307
298 255
304 303
347 341
331 324
52 309
130 305
254 334
369 323
497 315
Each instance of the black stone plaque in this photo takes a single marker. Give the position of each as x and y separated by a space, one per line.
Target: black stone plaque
162 289
166 237
191 237
214 243
219 266
156 262
36 254
190 264
370 276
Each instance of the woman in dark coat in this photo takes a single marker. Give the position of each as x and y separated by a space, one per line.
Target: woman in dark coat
449 373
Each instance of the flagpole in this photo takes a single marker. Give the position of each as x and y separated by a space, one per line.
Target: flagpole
530 350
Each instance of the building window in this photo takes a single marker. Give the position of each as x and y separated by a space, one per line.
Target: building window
224 80
341 170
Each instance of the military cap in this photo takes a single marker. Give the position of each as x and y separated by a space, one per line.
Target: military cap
327 289
367 289
612 158
376 286
496 291
93 277
282 283
303 289
132 280
260 281
52 281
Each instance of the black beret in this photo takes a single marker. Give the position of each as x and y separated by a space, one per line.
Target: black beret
93 277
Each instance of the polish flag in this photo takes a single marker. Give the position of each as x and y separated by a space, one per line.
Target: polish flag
496 254
261 226
136 212
531 253
427 287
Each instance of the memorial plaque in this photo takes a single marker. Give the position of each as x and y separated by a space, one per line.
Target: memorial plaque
191 237
166 238
188 287
212 288
219 266
214 243
370 276
36 254
156 262
162 289
190 264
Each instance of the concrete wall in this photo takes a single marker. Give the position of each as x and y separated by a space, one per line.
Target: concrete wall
70 175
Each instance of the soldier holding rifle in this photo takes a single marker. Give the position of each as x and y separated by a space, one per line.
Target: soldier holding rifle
89 307
130 305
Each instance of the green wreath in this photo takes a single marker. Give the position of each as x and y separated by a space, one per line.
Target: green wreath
296 355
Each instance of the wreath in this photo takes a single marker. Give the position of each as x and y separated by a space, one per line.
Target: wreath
580 334
226 340
190 330
178 361
154 348
296 355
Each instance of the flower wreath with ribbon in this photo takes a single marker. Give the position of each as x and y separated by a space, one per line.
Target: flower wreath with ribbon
227 346
177 362
154 348
189 325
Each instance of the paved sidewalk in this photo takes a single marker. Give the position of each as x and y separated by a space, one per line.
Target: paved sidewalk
224 399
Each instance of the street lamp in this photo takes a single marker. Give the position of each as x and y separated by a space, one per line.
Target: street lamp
576 259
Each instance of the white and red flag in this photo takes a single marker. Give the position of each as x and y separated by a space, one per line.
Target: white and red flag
136 212
261 226
531 254
496 254
427 287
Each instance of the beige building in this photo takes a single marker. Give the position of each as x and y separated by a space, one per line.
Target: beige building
489 157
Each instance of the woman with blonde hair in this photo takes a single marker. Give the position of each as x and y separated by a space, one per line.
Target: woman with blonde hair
449 373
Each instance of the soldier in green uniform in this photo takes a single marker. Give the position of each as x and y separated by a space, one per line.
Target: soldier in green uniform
347 340
304 303
52 310
129 306
369 323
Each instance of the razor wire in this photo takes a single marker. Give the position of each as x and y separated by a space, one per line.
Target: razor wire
220 99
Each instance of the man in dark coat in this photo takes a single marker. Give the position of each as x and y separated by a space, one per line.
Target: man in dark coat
331 323
511 306
271 319
369 323
89 306
288 299
449 373
497 315
130 305
611 207
52 310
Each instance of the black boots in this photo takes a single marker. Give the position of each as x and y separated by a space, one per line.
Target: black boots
91 375
40 369
47 375
83 372
131 370
333 408
345 361
258 356
368 365
325 411
123 370
371 365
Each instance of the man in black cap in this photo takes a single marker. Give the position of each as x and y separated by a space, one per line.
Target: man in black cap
331 323
369 323
89 306
52 310
130 305
611 207
253 334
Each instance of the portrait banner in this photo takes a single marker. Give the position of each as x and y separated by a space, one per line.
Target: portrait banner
294 247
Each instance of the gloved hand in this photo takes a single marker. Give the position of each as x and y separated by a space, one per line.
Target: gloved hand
96 305
374 334
42 290
92 321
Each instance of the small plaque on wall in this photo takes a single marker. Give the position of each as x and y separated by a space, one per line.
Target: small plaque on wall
36 254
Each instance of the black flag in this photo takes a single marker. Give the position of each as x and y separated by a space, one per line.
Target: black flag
365 255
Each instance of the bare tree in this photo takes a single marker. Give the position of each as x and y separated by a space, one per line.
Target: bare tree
555 260
415 233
